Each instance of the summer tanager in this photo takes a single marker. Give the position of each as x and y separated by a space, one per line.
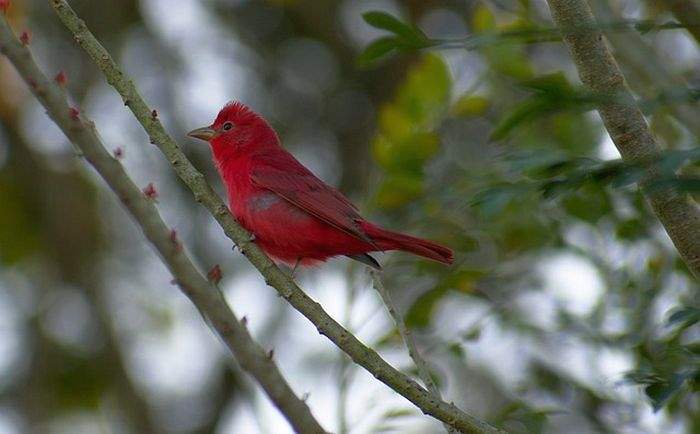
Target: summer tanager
296 218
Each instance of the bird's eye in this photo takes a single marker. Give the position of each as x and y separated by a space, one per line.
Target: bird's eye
227 126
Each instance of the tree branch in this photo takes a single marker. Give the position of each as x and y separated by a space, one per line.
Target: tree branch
206 297
407 336
626 124
274 277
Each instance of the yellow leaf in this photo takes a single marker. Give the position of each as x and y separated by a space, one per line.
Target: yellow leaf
483 19
470 106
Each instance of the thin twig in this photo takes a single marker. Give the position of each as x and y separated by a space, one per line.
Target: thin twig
206 297
285 286
345 365
407 336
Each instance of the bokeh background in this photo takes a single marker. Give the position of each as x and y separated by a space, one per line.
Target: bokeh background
567 309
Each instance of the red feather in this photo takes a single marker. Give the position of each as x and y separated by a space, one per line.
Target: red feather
294 216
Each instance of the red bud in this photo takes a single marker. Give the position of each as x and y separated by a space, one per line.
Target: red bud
214 274
25 37
150 191
174 240
74 113
61 78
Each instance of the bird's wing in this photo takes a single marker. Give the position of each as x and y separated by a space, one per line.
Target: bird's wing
285 176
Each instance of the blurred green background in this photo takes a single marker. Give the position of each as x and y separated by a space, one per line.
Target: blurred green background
567 310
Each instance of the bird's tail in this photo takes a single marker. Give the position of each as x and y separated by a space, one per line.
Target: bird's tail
388 240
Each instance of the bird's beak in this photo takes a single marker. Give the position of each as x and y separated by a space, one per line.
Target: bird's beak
204 133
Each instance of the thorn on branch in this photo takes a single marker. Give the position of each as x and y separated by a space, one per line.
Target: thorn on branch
61 79
214 275
74 113
25 37
150 191
244 321
305 396
118 153
270 354
175 241
154 115
223 210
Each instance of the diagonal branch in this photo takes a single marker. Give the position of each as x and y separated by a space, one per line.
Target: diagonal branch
407 336
285 286
206 297
626 125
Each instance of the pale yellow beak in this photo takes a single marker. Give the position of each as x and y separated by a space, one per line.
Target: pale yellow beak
204 133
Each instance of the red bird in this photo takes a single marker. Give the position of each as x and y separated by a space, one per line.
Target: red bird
295 217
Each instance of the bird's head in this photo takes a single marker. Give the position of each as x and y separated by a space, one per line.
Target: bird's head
237 129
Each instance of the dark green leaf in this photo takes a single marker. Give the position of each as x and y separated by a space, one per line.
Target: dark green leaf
554 84
687 316
377 49
527 110
410 34
493 200
456 351
660 393
632 229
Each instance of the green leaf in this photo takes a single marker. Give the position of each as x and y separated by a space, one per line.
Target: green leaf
456 350
411 35
554 83
687 316
495 199
527 110
471 334
425 94
421 311
483 19
631 229
397 190
377 49
671 161
470 106
591 203
682 184
661 392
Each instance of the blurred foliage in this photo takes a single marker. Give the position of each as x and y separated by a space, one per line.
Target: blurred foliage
547 166
463 122
406 139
